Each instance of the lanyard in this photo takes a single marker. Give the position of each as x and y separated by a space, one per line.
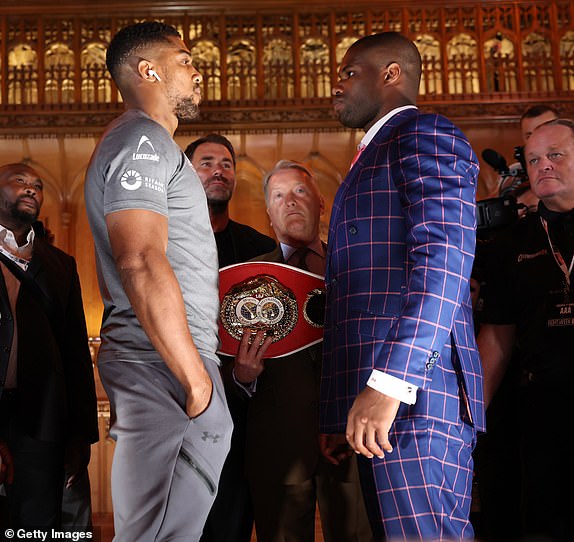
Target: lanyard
558 256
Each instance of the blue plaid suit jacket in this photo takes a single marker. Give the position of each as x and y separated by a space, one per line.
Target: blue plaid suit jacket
400 253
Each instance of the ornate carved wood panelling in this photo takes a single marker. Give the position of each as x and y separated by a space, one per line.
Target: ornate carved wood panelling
274 66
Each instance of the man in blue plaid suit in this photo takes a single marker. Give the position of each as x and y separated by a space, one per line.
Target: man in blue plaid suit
401 374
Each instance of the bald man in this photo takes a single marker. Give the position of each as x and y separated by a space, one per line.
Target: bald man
157 268
401 373
530 303
48 413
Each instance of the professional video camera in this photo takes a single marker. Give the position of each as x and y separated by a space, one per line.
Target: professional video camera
513 178
495 213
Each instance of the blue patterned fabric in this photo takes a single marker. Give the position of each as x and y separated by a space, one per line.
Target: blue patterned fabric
400 253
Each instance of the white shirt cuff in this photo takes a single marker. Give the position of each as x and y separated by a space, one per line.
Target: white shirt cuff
393 387
249 389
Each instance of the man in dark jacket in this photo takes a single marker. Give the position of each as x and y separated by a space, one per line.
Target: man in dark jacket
288 475
48 413
213 157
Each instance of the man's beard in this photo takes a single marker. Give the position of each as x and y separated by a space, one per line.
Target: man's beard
186 109
351 117
22 216
220 196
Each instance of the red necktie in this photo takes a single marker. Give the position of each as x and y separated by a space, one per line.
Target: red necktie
360 149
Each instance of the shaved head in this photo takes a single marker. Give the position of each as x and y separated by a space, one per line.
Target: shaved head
377 74
388 47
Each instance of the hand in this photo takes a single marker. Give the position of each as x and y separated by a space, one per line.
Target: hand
6 464
249 359
78 453
334 448
369 423
199 395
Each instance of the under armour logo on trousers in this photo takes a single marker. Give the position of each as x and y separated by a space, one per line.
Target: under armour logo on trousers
213 437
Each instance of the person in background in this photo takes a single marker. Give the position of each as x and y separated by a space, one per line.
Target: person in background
213 157
497 453
48 409
532 117
157 270
287 474
529 304
76 497
402 379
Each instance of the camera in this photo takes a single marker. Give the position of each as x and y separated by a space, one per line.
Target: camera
513 179
495 213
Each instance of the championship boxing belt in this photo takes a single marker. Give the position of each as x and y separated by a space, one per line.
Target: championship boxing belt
287 302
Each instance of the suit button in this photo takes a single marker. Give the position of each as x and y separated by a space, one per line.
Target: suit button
6 349
333 282
353 230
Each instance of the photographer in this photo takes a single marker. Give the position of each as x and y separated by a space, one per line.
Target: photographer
497 468
515 197
530 304
533 117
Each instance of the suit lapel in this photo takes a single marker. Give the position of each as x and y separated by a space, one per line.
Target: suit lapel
384 135
36 269
367 159
275 256
42 266
38 257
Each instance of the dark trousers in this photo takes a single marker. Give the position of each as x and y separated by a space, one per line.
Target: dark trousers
77 504
369 488
34 500
497 465
547 500
285 512
231 516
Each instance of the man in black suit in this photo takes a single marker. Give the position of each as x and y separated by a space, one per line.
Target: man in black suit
213 157
48 409
287 474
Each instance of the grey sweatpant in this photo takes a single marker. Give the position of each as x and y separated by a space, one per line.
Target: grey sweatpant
166 466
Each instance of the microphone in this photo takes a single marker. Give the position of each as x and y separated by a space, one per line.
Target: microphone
495 160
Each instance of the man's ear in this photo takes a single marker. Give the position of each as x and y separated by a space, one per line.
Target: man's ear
392 72
146 71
